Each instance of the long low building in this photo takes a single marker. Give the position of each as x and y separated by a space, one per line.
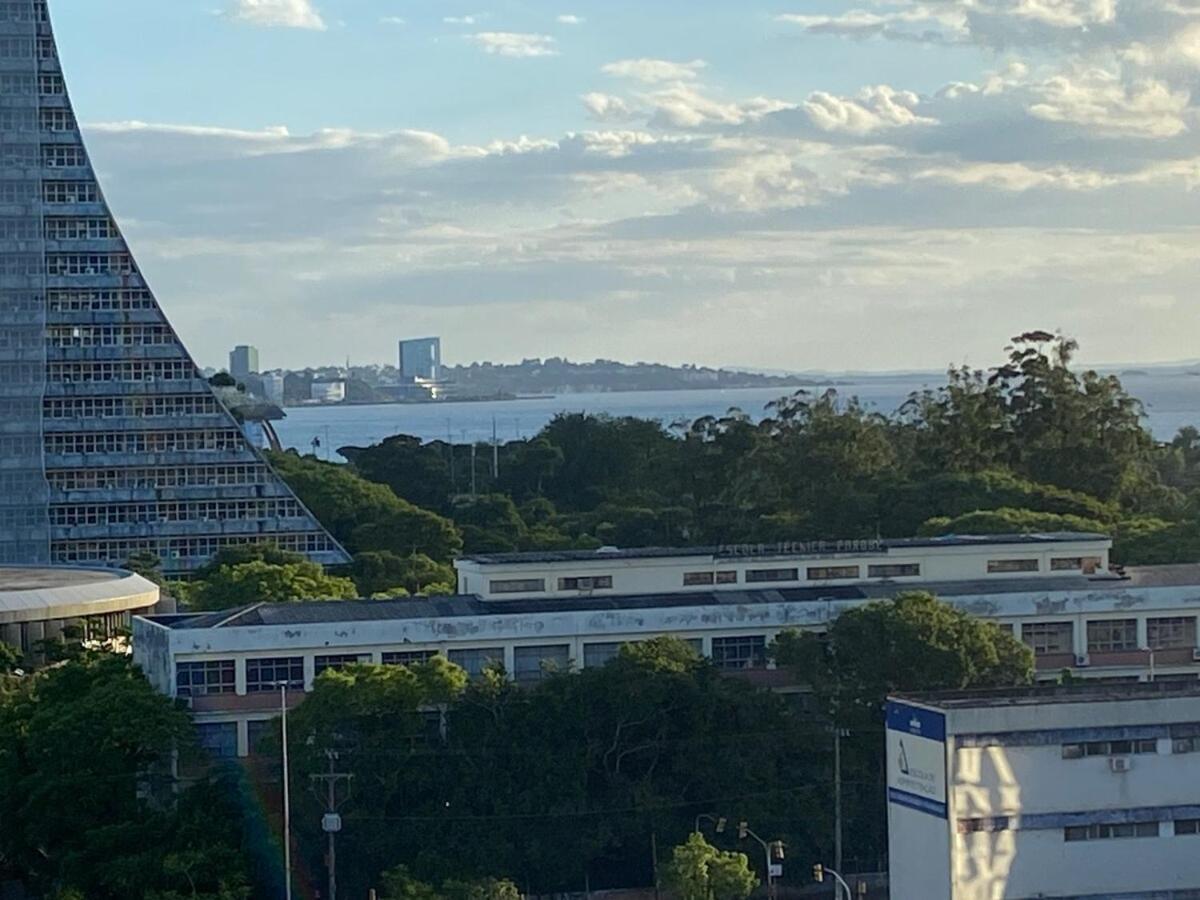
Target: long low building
38 603
1117 626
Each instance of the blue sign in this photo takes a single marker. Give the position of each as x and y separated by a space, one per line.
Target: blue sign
913 720
916 751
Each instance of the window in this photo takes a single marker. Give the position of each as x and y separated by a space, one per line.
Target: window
748 652
586 583
759 576
1111 635
219 739
57 120
517 586
727 577
196 679
1187 826
692 579
1088 565
70 192
1186 745
894 570
1171 633
1000 566
1138 747
532 664
831 573
1109 832
600 653
339 661
256 730
476 662
1049 637
264 675
408 657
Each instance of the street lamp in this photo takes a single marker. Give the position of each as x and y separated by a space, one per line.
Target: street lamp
773 850
718 822
819 873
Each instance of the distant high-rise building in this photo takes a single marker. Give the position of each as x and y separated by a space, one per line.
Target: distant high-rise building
272 388
421 358
111 440
243 361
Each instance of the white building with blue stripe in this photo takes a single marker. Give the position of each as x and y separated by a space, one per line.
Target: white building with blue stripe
1087 792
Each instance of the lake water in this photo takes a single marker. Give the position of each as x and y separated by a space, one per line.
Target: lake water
1172 400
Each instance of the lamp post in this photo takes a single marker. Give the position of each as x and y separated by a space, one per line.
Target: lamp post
287 805
819 873
718 822
769 847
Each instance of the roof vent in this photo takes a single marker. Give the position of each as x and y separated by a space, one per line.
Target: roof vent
608 549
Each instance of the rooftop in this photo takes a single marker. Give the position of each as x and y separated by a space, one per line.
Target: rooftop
807 548
1040 695
289 614
20 578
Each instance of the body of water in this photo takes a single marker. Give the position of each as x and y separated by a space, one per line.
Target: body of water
1172 401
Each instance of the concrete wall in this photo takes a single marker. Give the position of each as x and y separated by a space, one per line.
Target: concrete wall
919 849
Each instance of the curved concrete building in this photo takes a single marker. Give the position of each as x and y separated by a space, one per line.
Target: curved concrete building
38 602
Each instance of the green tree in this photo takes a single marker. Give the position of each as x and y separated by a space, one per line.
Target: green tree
699 871
399 884
419 473
10 658
258 581
364 515
380 571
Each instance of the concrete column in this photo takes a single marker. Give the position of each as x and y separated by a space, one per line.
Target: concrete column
243 741
310 670
1143 637
239 676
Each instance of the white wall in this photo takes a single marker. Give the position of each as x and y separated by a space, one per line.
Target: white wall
1024 864
919 850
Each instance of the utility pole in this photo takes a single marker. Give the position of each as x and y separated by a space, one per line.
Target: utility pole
287 802
331 822
838 734
474 447
495 452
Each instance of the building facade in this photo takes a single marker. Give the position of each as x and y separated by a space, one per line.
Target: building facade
1080 793
243 361
1124 628
327 391
421 359
111 440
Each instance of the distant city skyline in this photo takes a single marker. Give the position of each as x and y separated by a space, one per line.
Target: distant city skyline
895 185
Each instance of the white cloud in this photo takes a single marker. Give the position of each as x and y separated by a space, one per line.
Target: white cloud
1100 100
514 44
463 20
392 20
874 109
277 13
567 19
652 71
917 23
683 106
606 107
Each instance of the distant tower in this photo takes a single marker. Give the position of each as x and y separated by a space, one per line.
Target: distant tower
243 361
111 441
421 358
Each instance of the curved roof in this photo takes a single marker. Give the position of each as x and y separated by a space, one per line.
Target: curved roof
39 594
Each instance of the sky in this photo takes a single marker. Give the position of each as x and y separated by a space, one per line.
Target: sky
795 184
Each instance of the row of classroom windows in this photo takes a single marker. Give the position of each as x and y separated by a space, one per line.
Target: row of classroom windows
219 676
1087 565
1111 635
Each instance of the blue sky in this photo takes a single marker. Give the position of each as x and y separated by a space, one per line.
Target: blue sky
835 185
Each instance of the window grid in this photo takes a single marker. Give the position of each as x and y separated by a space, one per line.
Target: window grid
894 570
71 265
1112 635
1138 747
1187 826
67 516
100 300
338 661
1114 831
1001 566
191 440
761 576
741 652
265 674
531 664
1049 637
517 585
833 573
408 657
130 407
586 583
1088 565
694 579
202 547
168 476
57 192
1170 633
478 660
123 371
81 228
198 679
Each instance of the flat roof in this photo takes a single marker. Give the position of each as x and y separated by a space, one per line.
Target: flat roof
749 551
22 578
471 605
1041 695
50 593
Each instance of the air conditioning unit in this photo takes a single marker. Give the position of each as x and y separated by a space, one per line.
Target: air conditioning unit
1082 661
1196 655
1119 764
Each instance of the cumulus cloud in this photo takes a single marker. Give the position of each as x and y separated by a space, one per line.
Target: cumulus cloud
606 107
1098 99
514 44
277 13
874 109
462 20
653 71
568 19
392 20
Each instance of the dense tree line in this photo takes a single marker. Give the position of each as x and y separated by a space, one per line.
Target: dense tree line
1029 445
